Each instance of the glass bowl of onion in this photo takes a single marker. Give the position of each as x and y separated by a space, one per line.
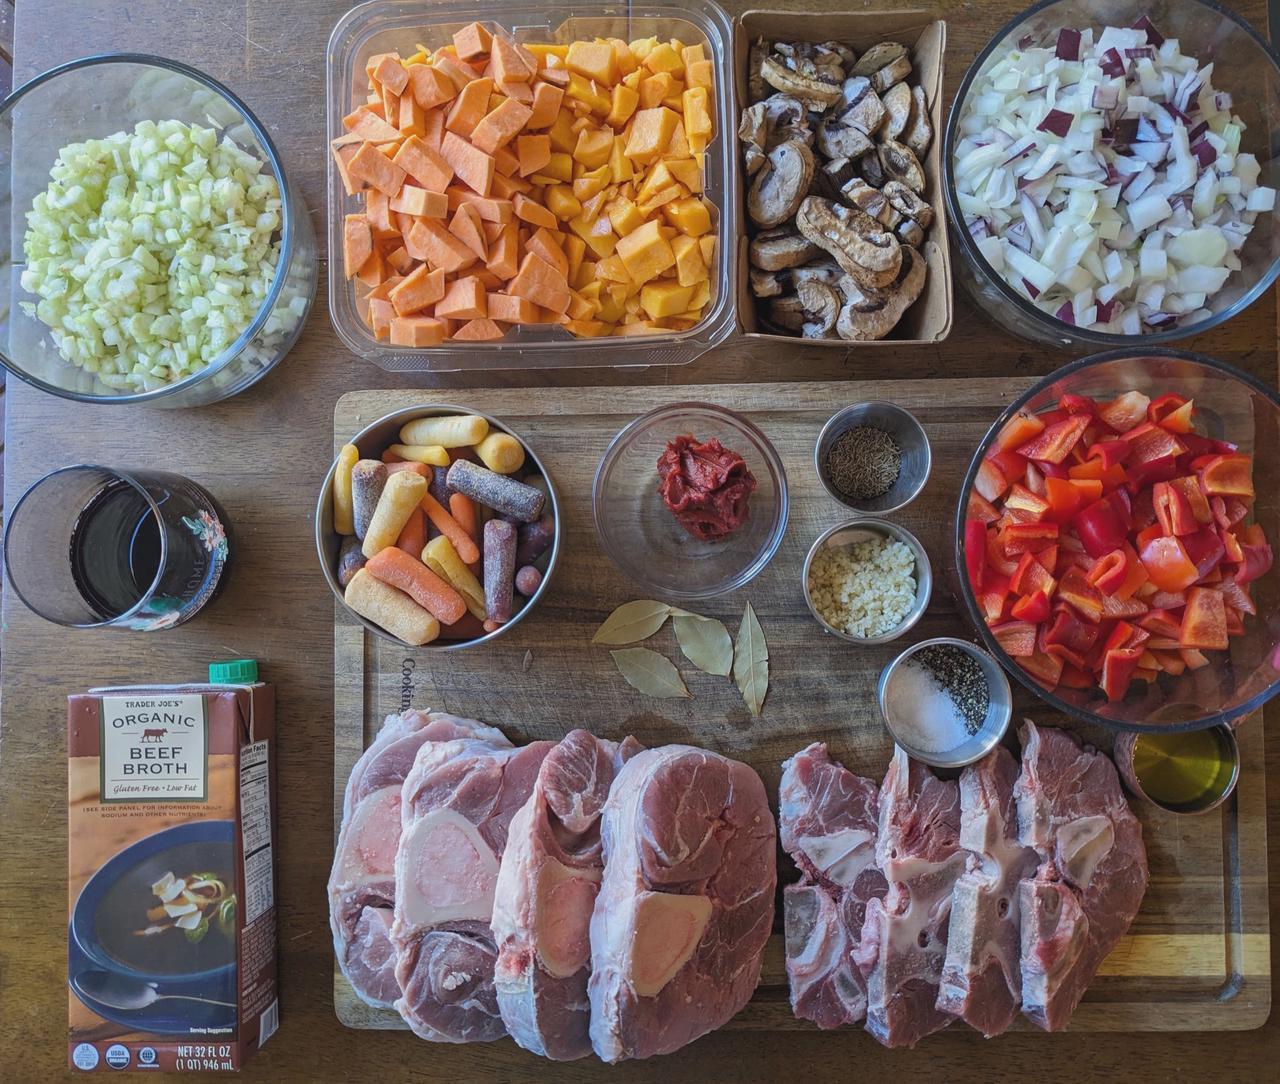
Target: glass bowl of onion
1110 173
1114 541
153 248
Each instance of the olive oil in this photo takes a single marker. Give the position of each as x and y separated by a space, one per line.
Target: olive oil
1186 772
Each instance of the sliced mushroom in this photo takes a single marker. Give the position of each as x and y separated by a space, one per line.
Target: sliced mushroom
757 88
840 138
909 232
778 189
898 104
856 240
919 133
878 56
785 118
765 283
847 55
863 106
752 159
815 94
872 314
826 271
774 250
821 308
909 203
891 74
787 312
832 176
873 201
869 168
814 61
900 164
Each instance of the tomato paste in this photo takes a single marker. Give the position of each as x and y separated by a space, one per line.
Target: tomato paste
706 486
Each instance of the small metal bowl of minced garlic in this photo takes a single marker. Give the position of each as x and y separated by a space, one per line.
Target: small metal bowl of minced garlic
946 702
867 580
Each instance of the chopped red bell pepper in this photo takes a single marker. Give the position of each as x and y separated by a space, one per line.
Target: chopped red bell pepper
1031 576
1119 666
1018 638
1173 510
1018 430
1228 476
1148 442
1033 607
1204 621
1227 511
1194 658
1235 622
1235 594
981 509
1172 412
997 560
1205 549
1011 464
1046 668
1258 556
1033 479
1109 571
1161 623
975 549
1103 525
1189 486
1077 404
1027 537
1070 632
1147 534
1167 564
1234 552
1126 609
1110 453
1125 411
1021 499
1073 677
1057 440
993 596
1075 589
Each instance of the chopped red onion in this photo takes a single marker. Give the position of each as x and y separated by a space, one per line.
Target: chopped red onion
1031 289
1154 37
1175 112
1066 313
1222 101
1112 64
1068 47
1057 122
1205 154
1106 309
1141 51
1146 132
1105 97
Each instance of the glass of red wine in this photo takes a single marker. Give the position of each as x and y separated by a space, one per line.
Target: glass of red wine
91 547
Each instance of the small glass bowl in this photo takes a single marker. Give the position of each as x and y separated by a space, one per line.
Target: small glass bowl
864 529
94 98
644 539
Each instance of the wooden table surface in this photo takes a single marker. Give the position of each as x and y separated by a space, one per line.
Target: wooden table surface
263 454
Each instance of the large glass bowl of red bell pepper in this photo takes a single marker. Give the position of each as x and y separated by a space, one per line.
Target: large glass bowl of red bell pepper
1114 540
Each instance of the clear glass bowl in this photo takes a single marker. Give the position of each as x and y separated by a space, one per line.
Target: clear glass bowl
643 538
1244 65
1230 405
97 97
381 26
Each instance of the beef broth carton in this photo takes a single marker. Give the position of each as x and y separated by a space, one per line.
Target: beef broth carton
171 962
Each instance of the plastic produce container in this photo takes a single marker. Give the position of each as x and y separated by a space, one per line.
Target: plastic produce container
401 25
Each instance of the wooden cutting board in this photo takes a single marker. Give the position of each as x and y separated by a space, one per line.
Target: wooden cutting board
1196 957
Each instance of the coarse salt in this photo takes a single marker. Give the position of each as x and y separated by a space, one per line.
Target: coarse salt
923 713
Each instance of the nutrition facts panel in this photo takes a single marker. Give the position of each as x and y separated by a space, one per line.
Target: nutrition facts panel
255 830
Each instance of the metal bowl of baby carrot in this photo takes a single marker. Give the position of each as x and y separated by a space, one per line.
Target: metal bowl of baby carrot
438 527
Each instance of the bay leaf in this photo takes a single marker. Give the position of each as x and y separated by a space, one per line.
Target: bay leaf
649 672
632 621
751 662
705 643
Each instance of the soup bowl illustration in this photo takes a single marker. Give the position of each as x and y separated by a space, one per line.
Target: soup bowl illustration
114 933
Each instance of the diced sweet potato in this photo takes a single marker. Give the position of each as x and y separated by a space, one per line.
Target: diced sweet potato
534 213
464 299
374 270
520 92
342 155
511 64
424 165
400 260
534 152
455 71
491 210
357 243
511 309
465 226
500 126
381 313
546 105
470 106
420 203
539 282
430 86
416 291
378 212
391 74
413 118
481 330
366 124
504 187
371 165
504 253
470 165
544 243
417 331
472 41
431 243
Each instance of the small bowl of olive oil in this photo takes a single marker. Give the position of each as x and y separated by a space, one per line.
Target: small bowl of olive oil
1189 773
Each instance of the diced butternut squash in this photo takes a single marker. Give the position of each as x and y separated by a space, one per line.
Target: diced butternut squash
664 58
624 104
651 131
645 253
698 74
654 89
561 202
689 215
691 269
417 331
697 112
595 60
590 93
593 147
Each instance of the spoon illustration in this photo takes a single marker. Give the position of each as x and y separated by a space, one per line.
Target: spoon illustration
121 993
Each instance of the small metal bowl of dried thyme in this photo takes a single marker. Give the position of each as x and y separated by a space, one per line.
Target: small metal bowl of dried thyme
873 457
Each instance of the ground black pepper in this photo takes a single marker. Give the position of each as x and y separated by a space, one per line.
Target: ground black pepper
863 463
962 678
